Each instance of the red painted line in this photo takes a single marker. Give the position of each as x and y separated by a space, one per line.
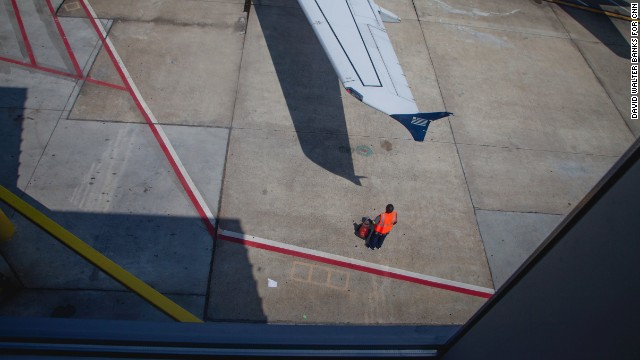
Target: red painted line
76 66
17 62
37 67
25 39
57 72
356 267
152 126
113 86
54 71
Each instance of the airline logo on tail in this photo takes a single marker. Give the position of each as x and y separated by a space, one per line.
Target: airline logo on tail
420 122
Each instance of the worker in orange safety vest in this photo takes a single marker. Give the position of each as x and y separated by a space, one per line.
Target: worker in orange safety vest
382 225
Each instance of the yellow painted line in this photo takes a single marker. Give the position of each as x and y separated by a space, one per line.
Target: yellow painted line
597 11
6 227
90 254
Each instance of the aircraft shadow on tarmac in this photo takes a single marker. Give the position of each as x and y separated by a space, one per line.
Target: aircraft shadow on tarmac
170 253
311 88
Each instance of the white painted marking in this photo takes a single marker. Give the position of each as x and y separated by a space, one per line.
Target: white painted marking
355 261
272 283
147 110
478 12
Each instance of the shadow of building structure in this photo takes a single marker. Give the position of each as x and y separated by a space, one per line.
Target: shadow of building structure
172 254
602 29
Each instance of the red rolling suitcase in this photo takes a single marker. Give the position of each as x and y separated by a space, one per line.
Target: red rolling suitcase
365 229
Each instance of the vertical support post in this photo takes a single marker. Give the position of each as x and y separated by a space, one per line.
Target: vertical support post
6 227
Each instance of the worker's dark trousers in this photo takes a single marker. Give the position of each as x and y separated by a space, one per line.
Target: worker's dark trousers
376 240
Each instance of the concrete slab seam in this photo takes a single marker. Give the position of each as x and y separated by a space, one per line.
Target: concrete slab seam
96 258
604 88
94 53
224 167
73 97
476 26
540 150
44 149
455 143
354 264
519 212
187 183
102 83
67 46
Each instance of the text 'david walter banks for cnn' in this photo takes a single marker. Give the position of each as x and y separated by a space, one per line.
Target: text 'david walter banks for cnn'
634 61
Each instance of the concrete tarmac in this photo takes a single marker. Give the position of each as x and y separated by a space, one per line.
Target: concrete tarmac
281 152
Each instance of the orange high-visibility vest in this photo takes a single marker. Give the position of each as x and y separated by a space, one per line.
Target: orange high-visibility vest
385 224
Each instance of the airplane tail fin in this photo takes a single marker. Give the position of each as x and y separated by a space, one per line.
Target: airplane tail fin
417 124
